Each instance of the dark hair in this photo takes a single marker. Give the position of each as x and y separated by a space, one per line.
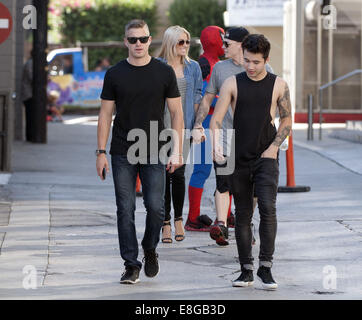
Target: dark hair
135 24
257 43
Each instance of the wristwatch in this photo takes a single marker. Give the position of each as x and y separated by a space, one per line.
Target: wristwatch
99 151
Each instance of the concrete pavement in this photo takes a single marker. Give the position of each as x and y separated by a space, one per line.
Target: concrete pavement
57 222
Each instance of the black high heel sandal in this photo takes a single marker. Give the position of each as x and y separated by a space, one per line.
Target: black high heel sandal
166 238
180 236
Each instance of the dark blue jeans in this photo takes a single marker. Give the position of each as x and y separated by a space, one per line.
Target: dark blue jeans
153 188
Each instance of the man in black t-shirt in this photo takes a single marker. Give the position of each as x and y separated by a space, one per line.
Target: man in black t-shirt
139 87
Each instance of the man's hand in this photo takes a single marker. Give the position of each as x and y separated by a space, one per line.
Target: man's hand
198 135
271 152
217 154
101 163
175 162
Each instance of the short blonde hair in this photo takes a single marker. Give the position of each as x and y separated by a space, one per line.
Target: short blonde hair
170 41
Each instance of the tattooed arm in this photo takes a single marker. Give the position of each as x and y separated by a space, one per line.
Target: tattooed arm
198 133
203 109
285 124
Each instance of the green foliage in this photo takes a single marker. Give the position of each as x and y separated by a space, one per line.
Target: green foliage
195 15
104 22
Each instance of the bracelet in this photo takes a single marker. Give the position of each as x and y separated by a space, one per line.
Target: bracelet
177 154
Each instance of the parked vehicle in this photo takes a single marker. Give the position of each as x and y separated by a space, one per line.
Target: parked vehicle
68 74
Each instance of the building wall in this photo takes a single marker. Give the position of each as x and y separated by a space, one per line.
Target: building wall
7 86
341 54
275 36
11 64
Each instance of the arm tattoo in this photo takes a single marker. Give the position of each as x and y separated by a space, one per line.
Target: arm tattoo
284 104
200 116
218 124
280 137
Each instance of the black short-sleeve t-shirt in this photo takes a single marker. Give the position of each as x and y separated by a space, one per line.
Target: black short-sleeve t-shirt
139 93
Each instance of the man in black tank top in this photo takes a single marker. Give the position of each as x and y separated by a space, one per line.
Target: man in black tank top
254 96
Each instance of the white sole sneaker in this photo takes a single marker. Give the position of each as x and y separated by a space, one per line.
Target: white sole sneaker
129 281
242 284
268 286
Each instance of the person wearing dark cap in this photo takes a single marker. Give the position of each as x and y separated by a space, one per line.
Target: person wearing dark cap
222 70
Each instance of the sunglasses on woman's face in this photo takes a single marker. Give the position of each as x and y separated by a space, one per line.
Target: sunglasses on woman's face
133 40
182 42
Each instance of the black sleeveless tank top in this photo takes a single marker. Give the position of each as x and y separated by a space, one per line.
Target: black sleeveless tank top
254 131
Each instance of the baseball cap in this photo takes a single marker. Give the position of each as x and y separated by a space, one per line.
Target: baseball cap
236 34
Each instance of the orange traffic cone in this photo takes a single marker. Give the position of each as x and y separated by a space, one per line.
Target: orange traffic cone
138 186
291 187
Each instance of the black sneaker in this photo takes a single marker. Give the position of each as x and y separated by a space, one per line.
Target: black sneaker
246 278
219 233
130 275
151 263
265 276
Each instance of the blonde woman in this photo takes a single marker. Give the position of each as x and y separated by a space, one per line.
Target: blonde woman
174 52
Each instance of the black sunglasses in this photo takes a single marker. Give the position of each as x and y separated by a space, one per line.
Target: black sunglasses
226 44
133 40
182 42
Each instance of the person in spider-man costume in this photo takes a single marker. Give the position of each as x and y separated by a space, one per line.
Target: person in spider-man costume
212 43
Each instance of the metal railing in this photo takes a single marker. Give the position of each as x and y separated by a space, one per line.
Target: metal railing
327 85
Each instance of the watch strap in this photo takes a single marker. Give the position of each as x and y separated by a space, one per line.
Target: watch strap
99 151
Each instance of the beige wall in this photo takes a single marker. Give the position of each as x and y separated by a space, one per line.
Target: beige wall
275 36
346 56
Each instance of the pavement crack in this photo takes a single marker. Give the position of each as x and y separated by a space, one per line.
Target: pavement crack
2 241
204 251
48 250
348 227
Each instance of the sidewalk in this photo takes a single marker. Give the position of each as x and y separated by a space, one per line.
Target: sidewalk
58 219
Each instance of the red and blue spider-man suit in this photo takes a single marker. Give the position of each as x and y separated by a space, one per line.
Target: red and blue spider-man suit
212 42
